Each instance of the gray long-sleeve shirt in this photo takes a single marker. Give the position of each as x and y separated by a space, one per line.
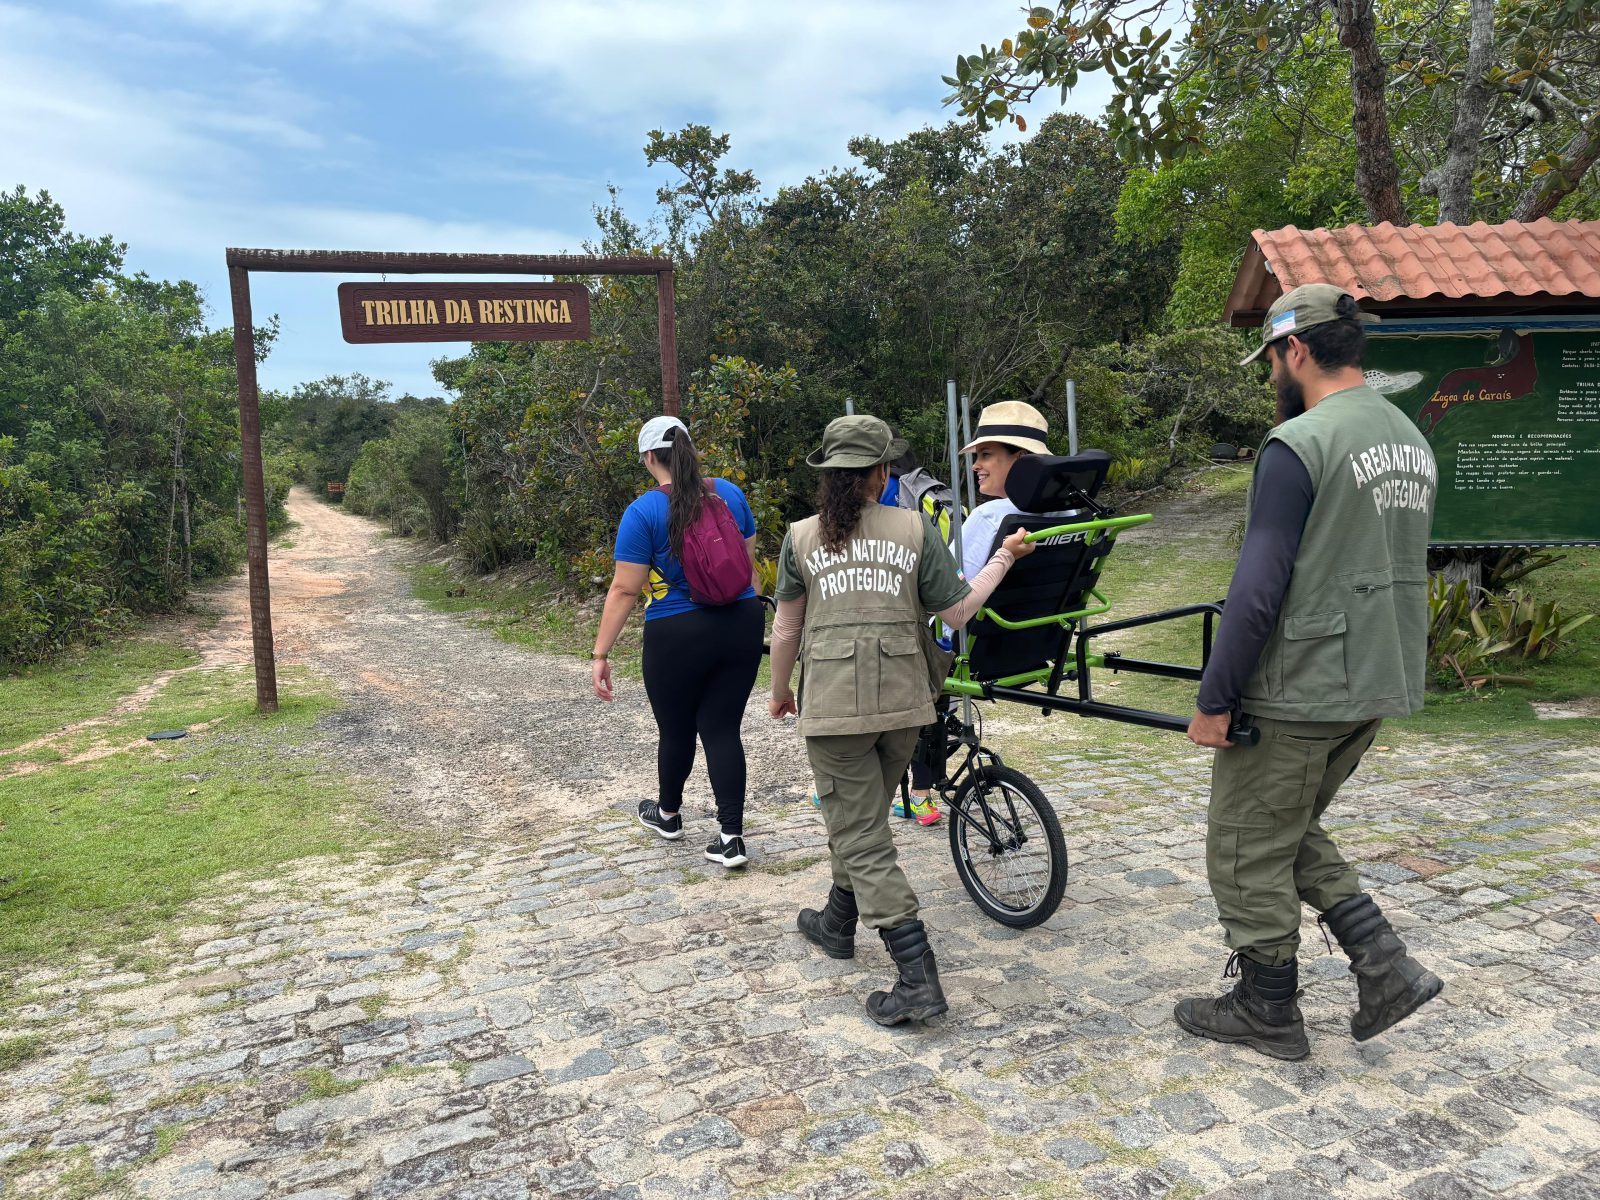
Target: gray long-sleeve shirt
1283 497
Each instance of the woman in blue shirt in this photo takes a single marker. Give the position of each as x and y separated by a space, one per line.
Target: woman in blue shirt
699 660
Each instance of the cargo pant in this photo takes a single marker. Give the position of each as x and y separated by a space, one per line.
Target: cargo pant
1266 849
856 773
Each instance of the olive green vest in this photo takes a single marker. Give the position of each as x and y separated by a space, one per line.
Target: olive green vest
1351 640
861 663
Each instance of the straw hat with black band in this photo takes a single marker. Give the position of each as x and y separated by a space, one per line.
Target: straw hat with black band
1013 423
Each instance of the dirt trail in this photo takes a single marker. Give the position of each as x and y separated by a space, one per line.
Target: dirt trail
466 731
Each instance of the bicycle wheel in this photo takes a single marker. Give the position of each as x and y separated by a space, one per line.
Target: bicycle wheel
1008 847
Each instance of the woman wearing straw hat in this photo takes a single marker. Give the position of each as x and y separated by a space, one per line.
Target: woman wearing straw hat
1005 432
857 581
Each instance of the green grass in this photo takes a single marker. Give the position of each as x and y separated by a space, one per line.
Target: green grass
525 612
104 853
18 1050
323 1084
1571 673
83 682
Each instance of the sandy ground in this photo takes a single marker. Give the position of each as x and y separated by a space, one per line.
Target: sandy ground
471 732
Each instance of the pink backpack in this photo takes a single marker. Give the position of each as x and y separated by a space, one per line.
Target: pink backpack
715 561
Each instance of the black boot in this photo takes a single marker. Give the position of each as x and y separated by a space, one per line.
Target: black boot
834 928
1260 1012
1392 985
916 995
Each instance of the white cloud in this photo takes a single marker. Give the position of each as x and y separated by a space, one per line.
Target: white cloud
185 173
165 123
792 81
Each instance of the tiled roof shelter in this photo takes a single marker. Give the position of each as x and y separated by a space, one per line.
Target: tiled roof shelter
1544 267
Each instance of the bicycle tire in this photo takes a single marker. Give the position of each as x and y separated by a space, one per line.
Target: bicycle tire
963 835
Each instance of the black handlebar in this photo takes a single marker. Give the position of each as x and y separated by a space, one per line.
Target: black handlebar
1241 734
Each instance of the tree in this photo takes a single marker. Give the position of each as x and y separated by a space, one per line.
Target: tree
119 470
37 254
1498 102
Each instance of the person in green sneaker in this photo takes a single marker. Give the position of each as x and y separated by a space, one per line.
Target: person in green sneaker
1324 634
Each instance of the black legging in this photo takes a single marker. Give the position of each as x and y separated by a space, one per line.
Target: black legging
699 668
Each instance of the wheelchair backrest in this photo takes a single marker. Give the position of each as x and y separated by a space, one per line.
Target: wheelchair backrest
1056 577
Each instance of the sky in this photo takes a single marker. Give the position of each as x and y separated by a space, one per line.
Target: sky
182 127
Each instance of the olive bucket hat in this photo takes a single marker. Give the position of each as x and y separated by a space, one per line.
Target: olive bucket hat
856 442
1295 311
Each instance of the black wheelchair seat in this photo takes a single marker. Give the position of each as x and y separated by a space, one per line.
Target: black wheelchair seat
1057 577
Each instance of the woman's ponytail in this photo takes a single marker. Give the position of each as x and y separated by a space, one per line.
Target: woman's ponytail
688 487
842 493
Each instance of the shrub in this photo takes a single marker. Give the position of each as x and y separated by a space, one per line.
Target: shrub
1469 630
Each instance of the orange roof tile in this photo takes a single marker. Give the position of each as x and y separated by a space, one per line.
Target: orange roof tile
1438 265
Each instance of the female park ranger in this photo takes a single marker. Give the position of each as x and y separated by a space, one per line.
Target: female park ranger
858 580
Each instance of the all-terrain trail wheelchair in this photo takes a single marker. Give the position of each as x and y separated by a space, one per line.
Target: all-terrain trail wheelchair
1031 644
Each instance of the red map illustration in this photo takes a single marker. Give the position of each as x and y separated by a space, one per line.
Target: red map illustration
1510 380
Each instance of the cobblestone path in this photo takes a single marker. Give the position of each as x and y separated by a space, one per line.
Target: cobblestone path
593 1013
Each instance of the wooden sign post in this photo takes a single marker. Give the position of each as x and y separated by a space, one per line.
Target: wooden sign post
418 312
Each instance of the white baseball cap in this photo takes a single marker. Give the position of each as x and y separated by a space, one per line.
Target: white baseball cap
653 434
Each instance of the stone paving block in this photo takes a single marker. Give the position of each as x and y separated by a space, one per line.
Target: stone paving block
434 1177
507 1012
705 1134
441 1035
335 1018
323 1111
1187 1112
831 1137
499 1069
1571 1186
127 1060
588 1065
1075 1152
286 1052
280 1006
506 1187
214 1066
520 1152
444 1135
370 1049
1501 1167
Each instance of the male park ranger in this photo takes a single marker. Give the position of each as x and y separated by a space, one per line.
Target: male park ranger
855 585
1324 634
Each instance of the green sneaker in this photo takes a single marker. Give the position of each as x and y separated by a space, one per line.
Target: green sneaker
924 810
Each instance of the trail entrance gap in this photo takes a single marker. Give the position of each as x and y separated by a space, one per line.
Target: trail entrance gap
501 328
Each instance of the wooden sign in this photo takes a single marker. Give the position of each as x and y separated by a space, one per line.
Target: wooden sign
335 489
464 312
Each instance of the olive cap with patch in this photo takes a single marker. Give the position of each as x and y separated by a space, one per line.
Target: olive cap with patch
1295 311
854 442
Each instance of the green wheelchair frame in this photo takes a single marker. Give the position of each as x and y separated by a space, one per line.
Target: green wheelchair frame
1005 838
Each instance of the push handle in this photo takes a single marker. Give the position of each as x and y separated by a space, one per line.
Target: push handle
1241 734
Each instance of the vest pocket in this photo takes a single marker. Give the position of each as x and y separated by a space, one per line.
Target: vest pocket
1314 669
830 680
902 673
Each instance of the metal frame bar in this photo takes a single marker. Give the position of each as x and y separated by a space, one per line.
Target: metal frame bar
241 261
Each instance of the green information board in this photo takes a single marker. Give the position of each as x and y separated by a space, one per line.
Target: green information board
1513 417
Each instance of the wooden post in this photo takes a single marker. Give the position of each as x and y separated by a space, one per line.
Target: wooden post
255 502
667 323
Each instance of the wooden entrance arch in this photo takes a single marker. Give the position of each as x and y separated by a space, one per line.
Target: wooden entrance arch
241 262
